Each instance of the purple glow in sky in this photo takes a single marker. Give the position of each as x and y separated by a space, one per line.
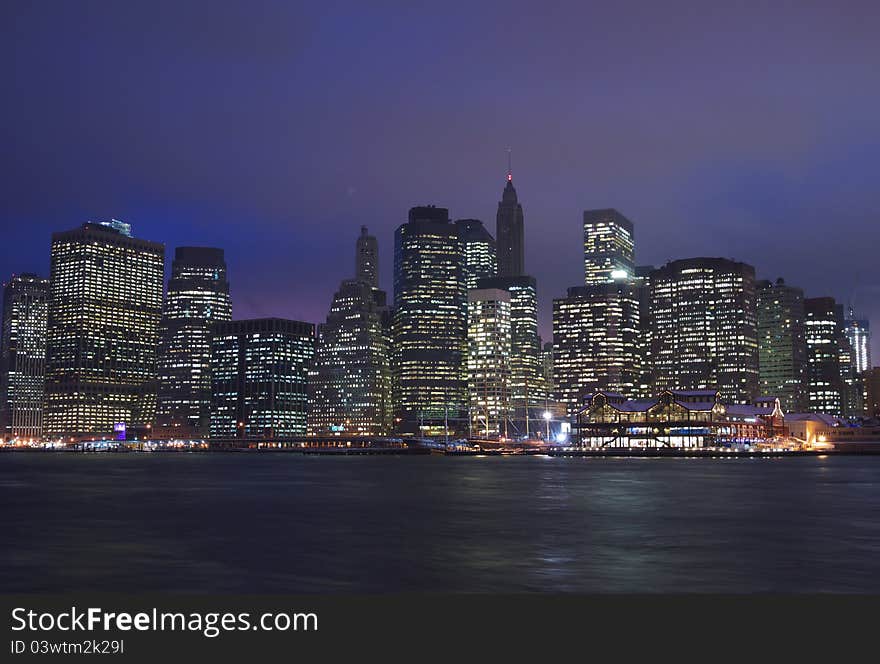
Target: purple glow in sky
274 130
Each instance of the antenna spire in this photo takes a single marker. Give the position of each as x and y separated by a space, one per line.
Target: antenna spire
509 168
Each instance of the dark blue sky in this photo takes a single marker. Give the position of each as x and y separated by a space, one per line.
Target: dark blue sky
274 130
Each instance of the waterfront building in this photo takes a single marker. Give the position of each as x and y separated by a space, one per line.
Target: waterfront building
366 267
105 304
825 350
479 251
609 247
596 342
704 327
429 329
259 374
197 296
528 390
23 356
509 232
489 354
350 380
782 344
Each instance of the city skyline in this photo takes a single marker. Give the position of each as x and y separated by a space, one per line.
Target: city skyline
705 154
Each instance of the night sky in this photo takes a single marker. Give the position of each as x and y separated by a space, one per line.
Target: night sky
274 130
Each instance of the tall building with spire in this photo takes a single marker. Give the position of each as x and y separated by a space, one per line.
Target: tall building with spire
350 381
197 297
366 268
509 232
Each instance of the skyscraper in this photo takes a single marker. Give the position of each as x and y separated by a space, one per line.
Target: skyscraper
596 342
479 251
429 326
782 344
825 339
489 361
609 246
704 327
198 295
104 309
858 332
509 233
23 356
366 267
350 381
259 373
528 390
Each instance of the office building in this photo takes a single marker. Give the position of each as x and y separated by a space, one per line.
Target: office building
366 267
197 296
704 327
489 340
609 247
595 342
858 333
350 379
509 232
872 392
429 329
105 305
782 344
479 251
259 376
23 357
825 350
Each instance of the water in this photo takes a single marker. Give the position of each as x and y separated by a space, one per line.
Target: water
284 523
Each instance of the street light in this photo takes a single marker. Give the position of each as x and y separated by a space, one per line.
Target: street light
547 417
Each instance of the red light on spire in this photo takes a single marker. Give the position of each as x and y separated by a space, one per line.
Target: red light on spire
509 177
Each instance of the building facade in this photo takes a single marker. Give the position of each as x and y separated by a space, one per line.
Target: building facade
825 350
479 251
858 333
609 247
509 233
259 377
197 296
350 378
489 355
105 305
366 261
596 342
704 327
23 357
782 344
429 328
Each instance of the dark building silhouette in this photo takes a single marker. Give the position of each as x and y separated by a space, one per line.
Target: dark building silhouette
429 325
366 267
509 233
23 356
105 305
197 296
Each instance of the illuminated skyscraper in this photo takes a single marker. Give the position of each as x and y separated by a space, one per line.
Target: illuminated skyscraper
509 233
350 381
704 327
489 361
609 246
104 310
23 356
198 295
430 325
595 342
479 251
782 345
826 347
259 374
528 390
858 332
367 259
